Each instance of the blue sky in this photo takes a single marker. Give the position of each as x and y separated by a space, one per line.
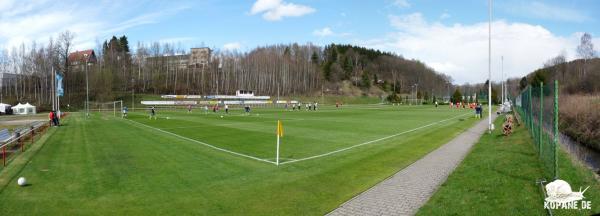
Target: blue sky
450 36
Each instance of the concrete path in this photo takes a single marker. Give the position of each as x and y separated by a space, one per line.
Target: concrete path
406 191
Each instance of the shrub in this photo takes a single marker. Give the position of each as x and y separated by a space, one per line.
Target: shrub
579 118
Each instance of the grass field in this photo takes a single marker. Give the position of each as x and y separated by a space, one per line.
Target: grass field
499 178
192 163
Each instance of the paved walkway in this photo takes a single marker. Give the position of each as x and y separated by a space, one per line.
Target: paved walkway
406 191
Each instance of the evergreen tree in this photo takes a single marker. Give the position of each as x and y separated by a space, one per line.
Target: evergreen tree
315 58
348 67
114 45
394 98
495 96
538 77
327 70
104 47
523 83
375 78
366 82
457 96
333 54
124 44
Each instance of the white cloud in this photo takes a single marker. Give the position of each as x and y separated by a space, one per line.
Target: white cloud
461 51
401 3
547 11
232 46
176 40
414 20
264 5
445 15
37 20
323 32
274 10
327 32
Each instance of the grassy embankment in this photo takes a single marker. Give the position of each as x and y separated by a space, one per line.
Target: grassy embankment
499 177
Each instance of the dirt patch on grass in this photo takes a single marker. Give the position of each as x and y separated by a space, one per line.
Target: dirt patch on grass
20 122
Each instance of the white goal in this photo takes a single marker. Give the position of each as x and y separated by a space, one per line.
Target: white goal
107 107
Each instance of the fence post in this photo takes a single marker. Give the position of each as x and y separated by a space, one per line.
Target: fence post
4 155
530 113
32 134
556 129
541 122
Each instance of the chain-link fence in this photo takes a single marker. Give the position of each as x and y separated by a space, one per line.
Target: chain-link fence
537 106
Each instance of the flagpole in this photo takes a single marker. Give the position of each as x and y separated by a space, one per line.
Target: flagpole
53 93
56 96
58 106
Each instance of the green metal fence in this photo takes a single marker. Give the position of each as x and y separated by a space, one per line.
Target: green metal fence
537 106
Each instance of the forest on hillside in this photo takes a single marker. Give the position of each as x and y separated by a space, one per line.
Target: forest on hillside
284 70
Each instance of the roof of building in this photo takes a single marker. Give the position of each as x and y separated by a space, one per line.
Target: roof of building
81 55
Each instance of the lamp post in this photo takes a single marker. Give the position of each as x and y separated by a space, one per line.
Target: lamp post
490 126
417 92
217 77
87 91
502 80
448 91
412 94
132 94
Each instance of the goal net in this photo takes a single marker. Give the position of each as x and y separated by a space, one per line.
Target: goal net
114 107
413 101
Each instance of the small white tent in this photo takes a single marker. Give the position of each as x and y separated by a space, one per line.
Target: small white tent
3 107
24 109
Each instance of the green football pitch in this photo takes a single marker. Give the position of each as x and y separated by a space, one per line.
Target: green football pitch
205 164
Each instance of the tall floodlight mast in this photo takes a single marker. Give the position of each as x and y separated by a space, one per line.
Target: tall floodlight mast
490 126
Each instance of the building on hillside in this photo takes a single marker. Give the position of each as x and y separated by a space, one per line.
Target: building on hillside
199 57
7 80
8 84
196 58
169 61
80 58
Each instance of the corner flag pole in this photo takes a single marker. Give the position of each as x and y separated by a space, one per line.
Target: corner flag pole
277 159
279 134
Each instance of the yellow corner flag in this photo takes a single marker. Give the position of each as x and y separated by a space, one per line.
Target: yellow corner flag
279 128
279 134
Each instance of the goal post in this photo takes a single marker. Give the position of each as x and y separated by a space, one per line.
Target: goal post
118 104
114 106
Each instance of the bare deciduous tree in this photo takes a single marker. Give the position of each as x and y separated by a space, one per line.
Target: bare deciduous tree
585 50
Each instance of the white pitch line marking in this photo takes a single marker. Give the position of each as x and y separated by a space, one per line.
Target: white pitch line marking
301 159
203 143
370 142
